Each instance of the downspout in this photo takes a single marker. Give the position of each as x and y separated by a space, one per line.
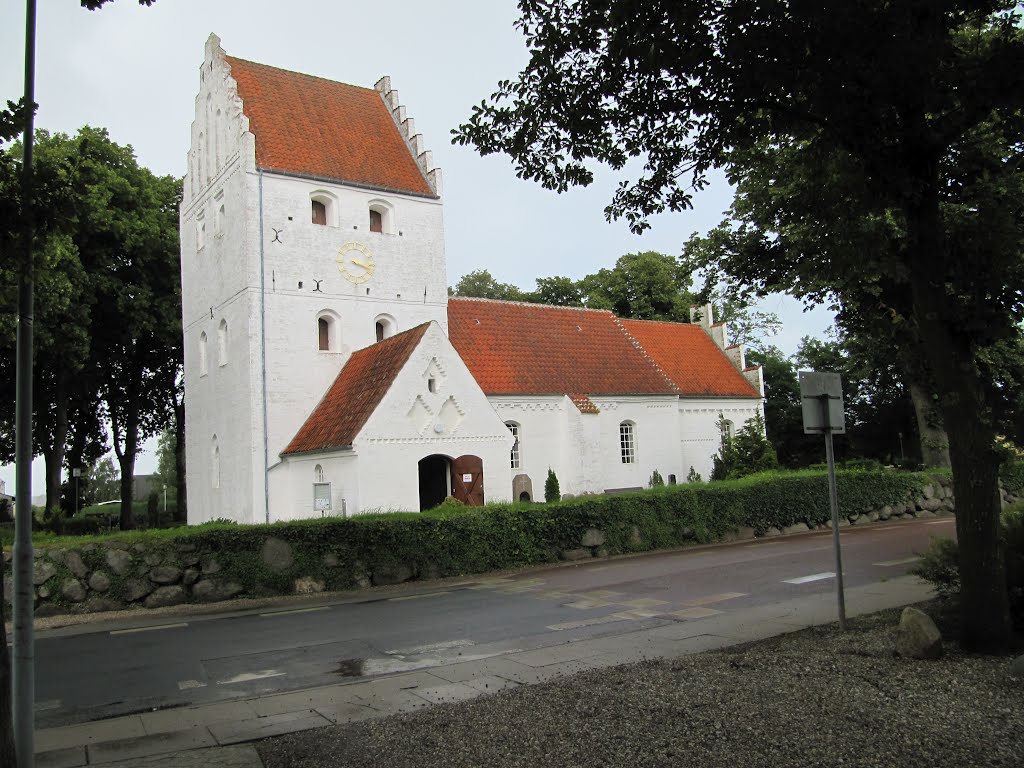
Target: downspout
263 363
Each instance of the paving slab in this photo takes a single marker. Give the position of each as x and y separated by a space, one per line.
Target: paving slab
68 757
237 756
558 654
448 693
488 684
313 698
146 746
49 739
166 720
263 727
347 712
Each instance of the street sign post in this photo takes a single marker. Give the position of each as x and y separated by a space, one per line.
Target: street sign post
821 393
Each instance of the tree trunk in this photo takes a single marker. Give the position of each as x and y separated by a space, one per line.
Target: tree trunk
984 603
932 436
54 453
126 461
181 512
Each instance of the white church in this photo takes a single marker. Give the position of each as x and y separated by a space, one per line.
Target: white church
327 371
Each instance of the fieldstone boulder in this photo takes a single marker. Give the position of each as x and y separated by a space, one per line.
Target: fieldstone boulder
307 585
153 558
277 554
918 637
928 491
575 554
190 559
190 577
745 532
1017 669
330 560
44 592
73 561
136 589
796 528
99 604
885 512
634 536
395 574
213 591
209 565
592 537
119 561
773 531
932 504
162 597
42 571
165 574
73 591
99 582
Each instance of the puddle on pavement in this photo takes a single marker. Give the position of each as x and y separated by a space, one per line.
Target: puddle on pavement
350 668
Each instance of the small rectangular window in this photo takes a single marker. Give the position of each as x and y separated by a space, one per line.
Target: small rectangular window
376 222
324 330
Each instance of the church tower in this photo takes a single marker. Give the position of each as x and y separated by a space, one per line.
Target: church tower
311 227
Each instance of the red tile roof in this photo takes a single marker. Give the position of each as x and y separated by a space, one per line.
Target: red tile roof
690 358
315 127
532 349
355 394
584 404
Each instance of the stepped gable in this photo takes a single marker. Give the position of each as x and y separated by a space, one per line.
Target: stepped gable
690 357
513 348
355 394
309 126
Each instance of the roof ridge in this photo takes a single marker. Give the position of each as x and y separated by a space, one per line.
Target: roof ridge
229 58
531 304
643 352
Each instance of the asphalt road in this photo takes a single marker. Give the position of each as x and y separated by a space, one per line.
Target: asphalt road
94 673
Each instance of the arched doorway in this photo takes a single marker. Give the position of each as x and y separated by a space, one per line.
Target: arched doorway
435 472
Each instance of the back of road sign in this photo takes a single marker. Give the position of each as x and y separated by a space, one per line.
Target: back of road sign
818 386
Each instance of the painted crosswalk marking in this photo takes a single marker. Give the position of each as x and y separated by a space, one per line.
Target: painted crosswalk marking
719 598
248 677
812 577
186 685
695 613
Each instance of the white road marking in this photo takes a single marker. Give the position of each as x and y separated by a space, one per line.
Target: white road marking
904 561
430 648
812 577
940 522
885 528
297 610
184 685
591 622
147 629
389 665
247 677
416 597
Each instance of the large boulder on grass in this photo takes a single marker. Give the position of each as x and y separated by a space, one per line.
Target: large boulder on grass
918 637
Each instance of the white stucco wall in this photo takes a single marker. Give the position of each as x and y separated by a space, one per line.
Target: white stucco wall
700 438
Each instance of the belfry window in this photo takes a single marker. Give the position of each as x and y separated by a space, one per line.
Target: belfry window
319 213
324 332
514 429
376 221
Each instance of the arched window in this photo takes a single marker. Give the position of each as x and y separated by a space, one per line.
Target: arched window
627 442
323 208
381 215
514 429
327 332
728 429
384 327
202 354
215 464
222 342
318 474
200 232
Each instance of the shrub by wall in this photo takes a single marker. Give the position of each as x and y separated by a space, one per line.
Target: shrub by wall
219 561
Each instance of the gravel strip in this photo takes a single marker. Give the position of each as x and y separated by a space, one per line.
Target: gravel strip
812 698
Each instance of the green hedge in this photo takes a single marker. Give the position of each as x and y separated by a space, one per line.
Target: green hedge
455 540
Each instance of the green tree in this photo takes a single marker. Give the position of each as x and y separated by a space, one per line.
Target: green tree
745 453
643 286
557 291
104 481
921 122
783 411
481 284
551 489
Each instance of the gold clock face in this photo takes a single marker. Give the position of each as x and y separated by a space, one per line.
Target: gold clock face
355 262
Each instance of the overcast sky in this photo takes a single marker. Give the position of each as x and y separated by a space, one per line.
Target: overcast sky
135 71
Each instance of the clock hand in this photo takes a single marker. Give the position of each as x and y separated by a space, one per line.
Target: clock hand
361 263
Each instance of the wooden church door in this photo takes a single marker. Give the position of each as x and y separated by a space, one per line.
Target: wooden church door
468 480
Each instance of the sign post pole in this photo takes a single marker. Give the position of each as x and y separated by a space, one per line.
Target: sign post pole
822 395
833 498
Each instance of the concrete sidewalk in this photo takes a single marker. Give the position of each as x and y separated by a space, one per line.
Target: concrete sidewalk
216 735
